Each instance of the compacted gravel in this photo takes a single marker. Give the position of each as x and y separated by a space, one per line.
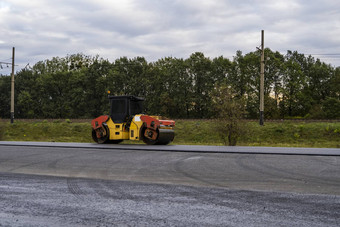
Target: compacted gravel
31 200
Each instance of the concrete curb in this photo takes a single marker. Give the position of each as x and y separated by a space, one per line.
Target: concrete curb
186 148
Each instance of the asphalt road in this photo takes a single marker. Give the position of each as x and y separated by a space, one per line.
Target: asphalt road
185 148
51 186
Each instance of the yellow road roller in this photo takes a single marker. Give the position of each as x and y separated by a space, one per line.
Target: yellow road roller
126 122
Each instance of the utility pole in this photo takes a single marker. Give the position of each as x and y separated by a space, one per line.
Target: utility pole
262 79
12 88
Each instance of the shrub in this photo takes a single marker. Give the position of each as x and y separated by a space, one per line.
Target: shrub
230 110
315 112
2 129
331 107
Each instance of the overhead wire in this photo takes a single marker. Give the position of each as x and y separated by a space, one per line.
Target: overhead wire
6 59
326 55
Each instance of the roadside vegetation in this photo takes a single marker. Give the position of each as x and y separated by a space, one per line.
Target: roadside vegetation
2 129
190 132
296 86
75 86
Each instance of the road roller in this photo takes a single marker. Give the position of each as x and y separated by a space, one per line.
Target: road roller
126 121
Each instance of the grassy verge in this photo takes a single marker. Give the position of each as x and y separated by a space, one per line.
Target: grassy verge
199 132
293 134
288 134
57 131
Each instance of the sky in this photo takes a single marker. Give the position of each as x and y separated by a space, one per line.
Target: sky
42 29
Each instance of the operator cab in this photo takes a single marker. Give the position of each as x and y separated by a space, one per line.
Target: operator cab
122 108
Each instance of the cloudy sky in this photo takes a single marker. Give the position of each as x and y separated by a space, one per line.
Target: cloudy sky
42 29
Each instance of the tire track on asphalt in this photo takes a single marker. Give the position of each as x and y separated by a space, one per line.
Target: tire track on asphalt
74 189
73 182
102 188
180 169
4 160
297 175
26 165
105 191
19 157
279 173
16 157
53 164
247 162
336 161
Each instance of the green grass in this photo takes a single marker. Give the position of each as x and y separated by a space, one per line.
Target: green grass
56 131
195 132
287 134
292 134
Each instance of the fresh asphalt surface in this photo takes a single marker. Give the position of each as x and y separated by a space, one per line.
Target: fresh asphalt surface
59 184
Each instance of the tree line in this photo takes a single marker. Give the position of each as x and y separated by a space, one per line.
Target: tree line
76 86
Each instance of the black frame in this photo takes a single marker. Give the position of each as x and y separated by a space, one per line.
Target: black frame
124 116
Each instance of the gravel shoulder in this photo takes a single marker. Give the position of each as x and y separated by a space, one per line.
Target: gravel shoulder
31 200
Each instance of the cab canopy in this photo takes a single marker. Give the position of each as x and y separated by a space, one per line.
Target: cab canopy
124 107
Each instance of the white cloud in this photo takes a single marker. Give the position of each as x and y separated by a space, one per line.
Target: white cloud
154 29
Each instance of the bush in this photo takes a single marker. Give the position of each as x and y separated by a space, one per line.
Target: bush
230 110
2 130
229 130
315 112
331 107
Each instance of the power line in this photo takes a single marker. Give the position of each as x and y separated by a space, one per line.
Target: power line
4 63
325 54
319 54
7 63
6 59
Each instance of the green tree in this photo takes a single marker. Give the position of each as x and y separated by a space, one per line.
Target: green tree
294 81
5 96
77 95
26 93
199 70
238 78
220 70
274 62
181 89
331 108
96 85
170 88
335 84
25 103
318 76
75 86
